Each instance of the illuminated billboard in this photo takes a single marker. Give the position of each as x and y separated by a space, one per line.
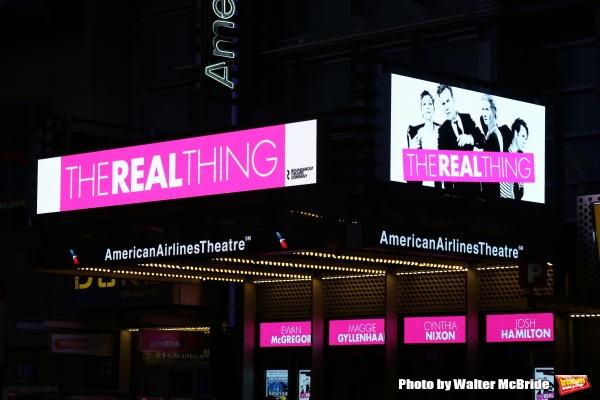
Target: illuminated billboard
285 334
421 330
596 221
520 327
254 159
464 142
353 332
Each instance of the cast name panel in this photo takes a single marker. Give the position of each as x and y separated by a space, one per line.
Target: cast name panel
520 327
423 330
357 332
285 334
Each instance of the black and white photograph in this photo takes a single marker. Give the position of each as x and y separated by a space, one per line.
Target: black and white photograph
436 117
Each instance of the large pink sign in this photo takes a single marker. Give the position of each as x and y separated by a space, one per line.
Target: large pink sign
254 159
435 330
520 328
467 166
285 334
357 331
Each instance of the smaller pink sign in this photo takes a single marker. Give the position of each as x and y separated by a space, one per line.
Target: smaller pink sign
520 328
285 334
353 332
450 329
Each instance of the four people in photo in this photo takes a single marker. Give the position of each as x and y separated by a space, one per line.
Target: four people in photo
460 132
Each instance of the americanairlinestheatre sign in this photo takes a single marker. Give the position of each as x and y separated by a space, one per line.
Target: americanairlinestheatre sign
190 249
449 245
399 238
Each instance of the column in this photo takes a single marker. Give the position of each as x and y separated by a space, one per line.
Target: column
318 340
562 344
249 341
391 336
124 361
472 328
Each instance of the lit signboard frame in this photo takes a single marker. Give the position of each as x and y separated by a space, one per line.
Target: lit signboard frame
442 330
285 334
353 332
437 157
536 327
253 159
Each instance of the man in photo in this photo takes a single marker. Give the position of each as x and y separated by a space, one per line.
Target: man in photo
520 135
458 132
425 135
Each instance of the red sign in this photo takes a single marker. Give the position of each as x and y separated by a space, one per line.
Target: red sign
533 274
72 343
84 344
170 341
568 384
159 341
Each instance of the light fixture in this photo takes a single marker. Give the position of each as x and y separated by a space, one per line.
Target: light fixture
205 329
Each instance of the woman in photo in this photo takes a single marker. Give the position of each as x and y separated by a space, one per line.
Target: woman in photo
425 135
497 139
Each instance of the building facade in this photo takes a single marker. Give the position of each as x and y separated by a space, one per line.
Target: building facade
357 244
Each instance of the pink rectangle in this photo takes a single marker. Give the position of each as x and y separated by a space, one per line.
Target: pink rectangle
419 330
224 163
520 328
285 334
357 332
467 166
84 344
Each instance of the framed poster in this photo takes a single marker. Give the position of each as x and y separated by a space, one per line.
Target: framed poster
463 142
304 384
546 374
277 383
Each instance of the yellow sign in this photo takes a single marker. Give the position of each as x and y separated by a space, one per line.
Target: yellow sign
86 282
